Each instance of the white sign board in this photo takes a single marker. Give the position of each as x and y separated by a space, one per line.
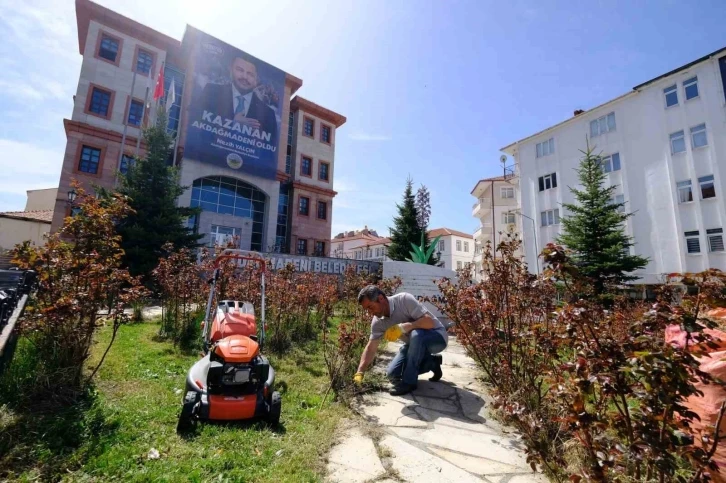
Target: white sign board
420 281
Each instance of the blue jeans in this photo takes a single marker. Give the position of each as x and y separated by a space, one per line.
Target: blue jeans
416 357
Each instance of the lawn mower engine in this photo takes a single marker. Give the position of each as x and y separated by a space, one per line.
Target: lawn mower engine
233 381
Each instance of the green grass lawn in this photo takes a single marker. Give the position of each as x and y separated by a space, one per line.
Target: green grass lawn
134 407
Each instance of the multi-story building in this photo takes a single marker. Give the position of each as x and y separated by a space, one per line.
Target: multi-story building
497 209
344 244
260 162
663 145
455 249
374 251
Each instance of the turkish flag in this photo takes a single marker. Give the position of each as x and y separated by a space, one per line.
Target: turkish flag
159 89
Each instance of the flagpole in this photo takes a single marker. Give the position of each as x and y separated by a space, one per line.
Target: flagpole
178 127
126 125
143 120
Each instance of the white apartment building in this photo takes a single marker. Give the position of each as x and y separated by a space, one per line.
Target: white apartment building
497 209
374 251
455 248
663 146
344 244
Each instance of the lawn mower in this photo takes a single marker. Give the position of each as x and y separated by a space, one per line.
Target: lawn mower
233 380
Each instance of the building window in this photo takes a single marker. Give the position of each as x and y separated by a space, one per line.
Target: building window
322 210
693 244
620 201
281 245
144 61
507 192
698 136
108 49
678 142
671 95
550 217
610 163
224 236
715 239
602 125
685 193
466 247
136 113
691 88
308 127
100 102
304 206
306 166
90 160
545 148
325 134
508 218
548 181
319 248
458 245
443 264
288 157
302 247
708 190
323 171
458 265
230 196
441 245
126 162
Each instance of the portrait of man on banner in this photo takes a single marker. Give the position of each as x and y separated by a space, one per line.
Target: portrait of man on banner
235 110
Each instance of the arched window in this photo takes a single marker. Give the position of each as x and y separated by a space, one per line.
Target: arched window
230 196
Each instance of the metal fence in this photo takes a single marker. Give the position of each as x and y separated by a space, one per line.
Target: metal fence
15 287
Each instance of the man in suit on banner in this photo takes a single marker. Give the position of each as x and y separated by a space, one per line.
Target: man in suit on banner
237 100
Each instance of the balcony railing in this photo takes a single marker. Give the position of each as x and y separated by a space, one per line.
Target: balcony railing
481 204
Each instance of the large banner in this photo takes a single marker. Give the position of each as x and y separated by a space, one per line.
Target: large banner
235 110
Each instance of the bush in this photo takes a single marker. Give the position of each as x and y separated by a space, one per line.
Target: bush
78 272
581 376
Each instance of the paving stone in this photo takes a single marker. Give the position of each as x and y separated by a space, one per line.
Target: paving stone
355 459
442 389
437 404
416 465
493 447
450 420
476 465
392 412
519 478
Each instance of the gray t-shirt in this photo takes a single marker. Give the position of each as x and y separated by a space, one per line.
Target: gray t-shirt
404 308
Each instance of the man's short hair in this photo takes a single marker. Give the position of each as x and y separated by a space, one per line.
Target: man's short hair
371 292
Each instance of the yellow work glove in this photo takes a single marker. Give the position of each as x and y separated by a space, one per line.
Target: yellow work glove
358 378
393 333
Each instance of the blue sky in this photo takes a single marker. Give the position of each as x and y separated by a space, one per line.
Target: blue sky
430 89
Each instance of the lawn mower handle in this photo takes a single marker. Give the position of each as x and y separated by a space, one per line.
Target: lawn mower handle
217 271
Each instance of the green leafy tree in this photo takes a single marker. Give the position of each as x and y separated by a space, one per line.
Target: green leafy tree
152 188
595 229
406 230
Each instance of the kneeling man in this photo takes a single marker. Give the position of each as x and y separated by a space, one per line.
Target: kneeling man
402 317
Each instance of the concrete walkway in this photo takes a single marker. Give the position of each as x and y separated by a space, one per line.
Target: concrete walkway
441 432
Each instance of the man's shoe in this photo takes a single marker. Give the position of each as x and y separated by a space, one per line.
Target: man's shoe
401 389
437 369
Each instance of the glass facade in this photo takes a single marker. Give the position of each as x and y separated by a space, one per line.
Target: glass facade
230 196
283 205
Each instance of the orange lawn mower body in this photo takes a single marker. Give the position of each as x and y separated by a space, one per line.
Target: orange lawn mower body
233 380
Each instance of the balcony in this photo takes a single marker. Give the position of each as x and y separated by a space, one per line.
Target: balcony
480 206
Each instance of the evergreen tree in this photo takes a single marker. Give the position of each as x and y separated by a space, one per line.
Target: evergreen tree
152 188
406 229
594 229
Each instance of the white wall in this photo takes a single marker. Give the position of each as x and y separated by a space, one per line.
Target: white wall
41 199
450 255
649 171
14 231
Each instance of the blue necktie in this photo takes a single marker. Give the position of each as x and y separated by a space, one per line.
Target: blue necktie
240 105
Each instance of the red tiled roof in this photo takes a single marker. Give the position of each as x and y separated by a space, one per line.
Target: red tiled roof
43 216
446 231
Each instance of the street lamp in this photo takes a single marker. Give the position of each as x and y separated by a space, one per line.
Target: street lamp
534 232
72 196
